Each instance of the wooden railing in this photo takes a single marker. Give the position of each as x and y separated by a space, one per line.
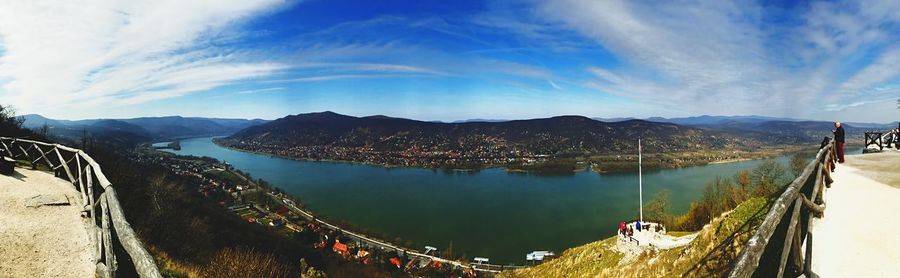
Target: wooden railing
108 228
774 250
876 139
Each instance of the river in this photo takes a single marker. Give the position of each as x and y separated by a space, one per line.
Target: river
489 213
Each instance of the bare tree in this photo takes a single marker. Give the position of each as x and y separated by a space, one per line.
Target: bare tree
797 164
768 177
9 123
44 129
658 208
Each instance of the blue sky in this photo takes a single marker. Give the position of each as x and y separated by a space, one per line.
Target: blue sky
452 60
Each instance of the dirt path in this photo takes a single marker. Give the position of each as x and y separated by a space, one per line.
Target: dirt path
858 237
45 241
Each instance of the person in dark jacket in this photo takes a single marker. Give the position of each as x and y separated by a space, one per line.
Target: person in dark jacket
839 140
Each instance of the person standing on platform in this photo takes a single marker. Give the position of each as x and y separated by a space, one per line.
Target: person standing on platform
839 140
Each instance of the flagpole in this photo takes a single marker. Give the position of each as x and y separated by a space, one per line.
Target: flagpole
640 182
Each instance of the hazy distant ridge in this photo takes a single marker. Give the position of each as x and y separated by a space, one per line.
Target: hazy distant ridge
141 129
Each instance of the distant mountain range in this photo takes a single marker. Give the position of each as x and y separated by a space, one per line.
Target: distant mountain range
552 136
140 129
717 120
563 134
706 120
702 120
556 134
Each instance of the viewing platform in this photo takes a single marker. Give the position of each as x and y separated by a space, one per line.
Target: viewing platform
653 236
42 233
857 237
66 221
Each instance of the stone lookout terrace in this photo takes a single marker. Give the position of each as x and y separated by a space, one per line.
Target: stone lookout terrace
42 233
60 217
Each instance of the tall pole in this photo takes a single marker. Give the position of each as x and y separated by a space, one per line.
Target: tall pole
640 182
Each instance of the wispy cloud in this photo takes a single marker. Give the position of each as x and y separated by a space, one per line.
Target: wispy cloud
731 57
77 56
367 67
333 77
256 91
554 85
843 106
816 60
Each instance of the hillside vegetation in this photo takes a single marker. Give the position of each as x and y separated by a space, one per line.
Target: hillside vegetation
709 255
557 145
724 217
556 135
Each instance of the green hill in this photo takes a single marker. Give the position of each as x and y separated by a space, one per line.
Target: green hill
710 254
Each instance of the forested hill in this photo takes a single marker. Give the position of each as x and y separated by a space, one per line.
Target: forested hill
550 136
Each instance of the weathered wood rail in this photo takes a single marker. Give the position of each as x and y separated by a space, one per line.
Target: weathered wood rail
108 230
774 250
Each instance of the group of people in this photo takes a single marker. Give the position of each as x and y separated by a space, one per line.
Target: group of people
628 231
625 230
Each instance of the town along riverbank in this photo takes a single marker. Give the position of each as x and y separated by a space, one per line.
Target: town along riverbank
542 164
476 212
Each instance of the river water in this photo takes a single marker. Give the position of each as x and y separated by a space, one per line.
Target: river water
489 213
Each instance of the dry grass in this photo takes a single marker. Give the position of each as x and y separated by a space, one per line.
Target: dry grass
583 261
230 262
171 267
710 254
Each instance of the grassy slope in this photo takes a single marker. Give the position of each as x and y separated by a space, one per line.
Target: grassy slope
709 255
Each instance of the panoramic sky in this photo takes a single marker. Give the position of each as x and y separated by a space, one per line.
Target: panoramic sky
451 60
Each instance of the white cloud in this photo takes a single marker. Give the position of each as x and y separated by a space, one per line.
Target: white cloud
724 57
320 78
79 55
256 91
367 67
554 85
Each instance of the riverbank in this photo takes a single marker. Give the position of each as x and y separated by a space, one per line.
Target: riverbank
601 164
257 201
437 208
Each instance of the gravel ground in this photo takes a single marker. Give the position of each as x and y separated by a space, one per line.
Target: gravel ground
858 237
883 166
46 241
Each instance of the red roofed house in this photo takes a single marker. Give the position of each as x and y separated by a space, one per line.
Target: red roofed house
396 262
341 248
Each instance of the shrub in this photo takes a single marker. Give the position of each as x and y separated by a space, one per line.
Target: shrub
722 195
231 262
658 208
797 164
766 178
